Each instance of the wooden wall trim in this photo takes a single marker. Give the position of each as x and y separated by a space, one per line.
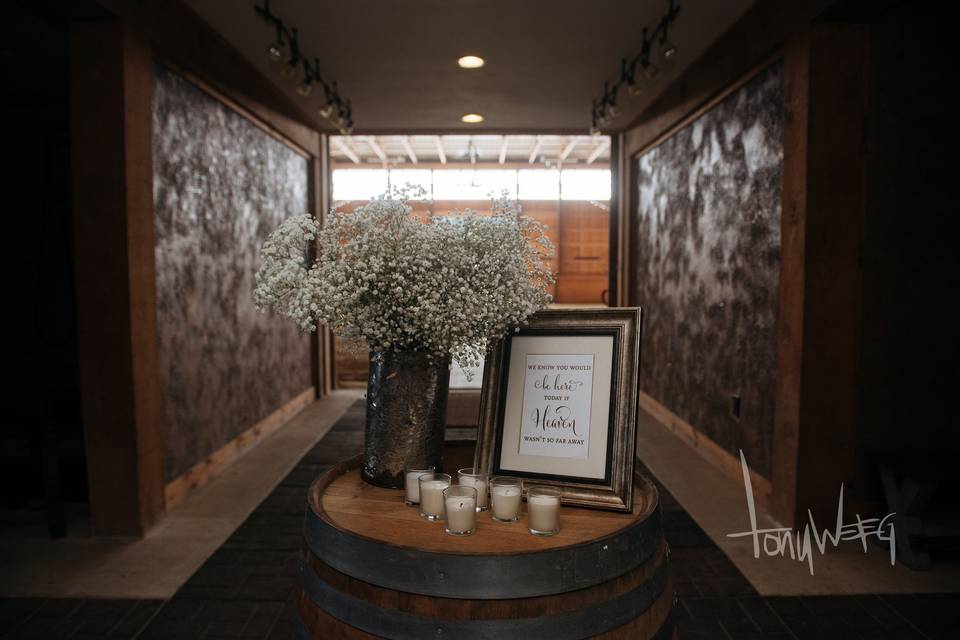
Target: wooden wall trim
723 460
113 218
214 464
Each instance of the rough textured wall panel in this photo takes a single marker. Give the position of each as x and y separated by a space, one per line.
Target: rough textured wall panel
706 242
221 185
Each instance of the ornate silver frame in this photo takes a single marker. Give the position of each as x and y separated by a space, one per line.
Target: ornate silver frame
615 492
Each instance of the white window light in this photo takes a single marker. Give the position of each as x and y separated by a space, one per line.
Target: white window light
358 184
473 184
585 184
422 178
539 184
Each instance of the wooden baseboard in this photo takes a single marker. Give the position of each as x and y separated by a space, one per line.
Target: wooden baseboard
726 462
214 464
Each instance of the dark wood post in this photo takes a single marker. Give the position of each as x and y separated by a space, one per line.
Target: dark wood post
819 330
111 90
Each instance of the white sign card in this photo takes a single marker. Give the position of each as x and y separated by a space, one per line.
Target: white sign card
557 397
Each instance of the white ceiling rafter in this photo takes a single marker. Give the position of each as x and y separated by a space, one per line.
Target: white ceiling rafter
536 149
440 152
346 150
405 141
598 151
490 150
376 148
567 150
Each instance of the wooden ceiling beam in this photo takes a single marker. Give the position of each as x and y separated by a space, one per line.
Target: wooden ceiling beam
536 149
440 151
344 149
598 151
377 149
405 141
571 145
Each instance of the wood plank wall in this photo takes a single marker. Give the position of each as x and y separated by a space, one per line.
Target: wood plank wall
584 252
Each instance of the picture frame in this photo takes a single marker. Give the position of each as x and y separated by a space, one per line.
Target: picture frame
559 404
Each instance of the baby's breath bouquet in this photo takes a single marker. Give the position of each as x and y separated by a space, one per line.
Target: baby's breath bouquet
447 285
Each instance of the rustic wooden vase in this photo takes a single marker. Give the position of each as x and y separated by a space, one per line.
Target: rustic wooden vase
406 415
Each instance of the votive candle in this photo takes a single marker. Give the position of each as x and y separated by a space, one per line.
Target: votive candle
506 495
469 477
411 484
431 495
460 507
543 510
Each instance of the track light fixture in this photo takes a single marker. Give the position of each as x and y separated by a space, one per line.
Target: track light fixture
296 67
635 73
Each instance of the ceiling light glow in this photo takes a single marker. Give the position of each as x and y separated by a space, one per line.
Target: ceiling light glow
471 62
472 118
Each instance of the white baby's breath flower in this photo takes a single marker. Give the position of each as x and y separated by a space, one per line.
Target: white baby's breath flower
448 286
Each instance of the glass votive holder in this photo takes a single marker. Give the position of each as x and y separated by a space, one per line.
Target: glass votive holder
543 510
431 495
411 484
460 509
479 480
506 494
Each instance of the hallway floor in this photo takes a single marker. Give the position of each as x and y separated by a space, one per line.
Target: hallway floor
243 590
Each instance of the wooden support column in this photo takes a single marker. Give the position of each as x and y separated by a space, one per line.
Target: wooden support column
325 344
617 294
111 87
819 330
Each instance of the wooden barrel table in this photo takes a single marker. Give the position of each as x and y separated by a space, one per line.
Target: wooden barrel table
372 568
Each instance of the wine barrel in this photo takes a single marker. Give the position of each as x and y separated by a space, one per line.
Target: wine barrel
372 568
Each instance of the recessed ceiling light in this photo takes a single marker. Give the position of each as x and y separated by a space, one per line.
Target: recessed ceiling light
472 118
471 62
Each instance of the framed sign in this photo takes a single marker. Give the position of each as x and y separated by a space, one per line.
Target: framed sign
559 404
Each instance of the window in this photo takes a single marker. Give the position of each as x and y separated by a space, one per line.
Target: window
422 178
585 184
358 184
476 184
473 184
539 184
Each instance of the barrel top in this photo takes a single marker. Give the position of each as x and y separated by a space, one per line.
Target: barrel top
345 501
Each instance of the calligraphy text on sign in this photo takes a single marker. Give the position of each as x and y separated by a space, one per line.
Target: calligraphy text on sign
557 393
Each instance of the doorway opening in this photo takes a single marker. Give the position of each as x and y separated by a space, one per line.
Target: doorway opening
563 182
